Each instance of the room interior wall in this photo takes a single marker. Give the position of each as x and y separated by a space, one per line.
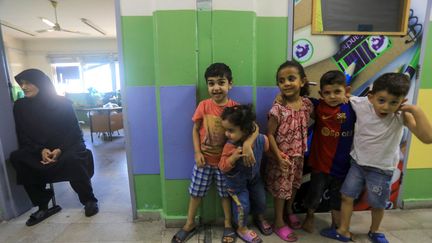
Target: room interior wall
15 54
37 50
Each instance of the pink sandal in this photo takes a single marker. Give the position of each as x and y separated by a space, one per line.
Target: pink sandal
293 221
285 233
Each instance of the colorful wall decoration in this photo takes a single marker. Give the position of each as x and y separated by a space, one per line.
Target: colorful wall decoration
363 58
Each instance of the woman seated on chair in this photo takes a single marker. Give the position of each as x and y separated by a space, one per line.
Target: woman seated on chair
51 146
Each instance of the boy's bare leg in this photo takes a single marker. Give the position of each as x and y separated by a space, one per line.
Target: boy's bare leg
279 211
345 217
308 224
336 218
377 216
226 206
194 203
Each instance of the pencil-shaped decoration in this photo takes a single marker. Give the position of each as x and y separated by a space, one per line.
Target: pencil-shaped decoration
349 72
411 68
399 69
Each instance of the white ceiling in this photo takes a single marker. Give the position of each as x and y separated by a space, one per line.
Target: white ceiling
25 15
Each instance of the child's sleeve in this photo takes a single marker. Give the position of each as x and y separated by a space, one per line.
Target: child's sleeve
227 151
274 112
199 112
356 102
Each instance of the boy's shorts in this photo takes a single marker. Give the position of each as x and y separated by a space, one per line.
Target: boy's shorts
319 184
377 184
202 179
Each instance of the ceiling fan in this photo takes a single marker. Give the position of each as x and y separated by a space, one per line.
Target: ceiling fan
56 26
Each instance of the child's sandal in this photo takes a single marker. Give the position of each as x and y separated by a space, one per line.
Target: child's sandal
294 222
264 227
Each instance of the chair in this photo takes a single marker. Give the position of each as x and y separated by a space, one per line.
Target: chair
105 122
90 168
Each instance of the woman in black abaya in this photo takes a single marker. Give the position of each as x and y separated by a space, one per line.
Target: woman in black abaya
51 147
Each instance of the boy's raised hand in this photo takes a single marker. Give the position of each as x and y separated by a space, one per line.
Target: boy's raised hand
199 159
417 122
248 156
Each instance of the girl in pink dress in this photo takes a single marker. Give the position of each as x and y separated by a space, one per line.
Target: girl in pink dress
287 133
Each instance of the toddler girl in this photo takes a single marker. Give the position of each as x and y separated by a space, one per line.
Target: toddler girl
243 180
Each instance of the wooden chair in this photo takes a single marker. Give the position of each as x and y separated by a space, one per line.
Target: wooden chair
105 123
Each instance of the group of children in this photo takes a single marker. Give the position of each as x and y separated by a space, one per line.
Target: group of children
355 145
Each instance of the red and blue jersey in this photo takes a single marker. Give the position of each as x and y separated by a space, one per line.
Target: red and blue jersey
332 138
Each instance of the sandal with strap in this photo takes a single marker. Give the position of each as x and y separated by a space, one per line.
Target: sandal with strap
183 235
293 221
333 234
377 237
41 215
250 237
229 235
285 233
264 227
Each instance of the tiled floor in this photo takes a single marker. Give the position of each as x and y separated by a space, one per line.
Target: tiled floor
114 221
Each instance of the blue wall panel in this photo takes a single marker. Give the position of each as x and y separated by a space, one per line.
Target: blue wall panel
242 94
142 120
264 100
178 104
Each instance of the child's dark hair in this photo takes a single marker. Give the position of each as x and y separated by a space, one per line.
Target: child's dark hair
218 70
332 77
397 84
242 116
305 89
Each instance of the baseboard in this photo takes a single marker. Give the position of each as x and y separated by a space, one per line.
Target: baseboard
414 204
143 215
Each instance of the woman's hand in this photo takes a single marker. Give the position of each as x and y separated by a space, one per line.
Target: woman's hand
56 154
49 156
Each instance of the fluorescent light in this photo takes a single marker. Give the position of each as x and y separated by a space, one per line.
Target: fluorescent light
48 22
6 24
89 23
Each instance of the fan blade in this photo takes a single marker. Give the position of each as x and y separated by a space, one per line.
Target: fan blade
47 21
45 30
74 32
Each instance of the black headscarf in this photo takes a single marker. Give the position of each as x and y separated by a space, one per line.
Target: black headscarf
46 88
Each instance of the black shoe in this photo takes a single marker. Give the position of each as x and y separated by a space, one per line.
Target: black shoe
41 215
91 208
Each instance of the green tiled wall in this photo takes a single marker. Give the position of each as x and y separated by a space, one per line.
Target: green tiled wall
271 39
234 43
426 71
148 192
174 48
417 184
137 34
